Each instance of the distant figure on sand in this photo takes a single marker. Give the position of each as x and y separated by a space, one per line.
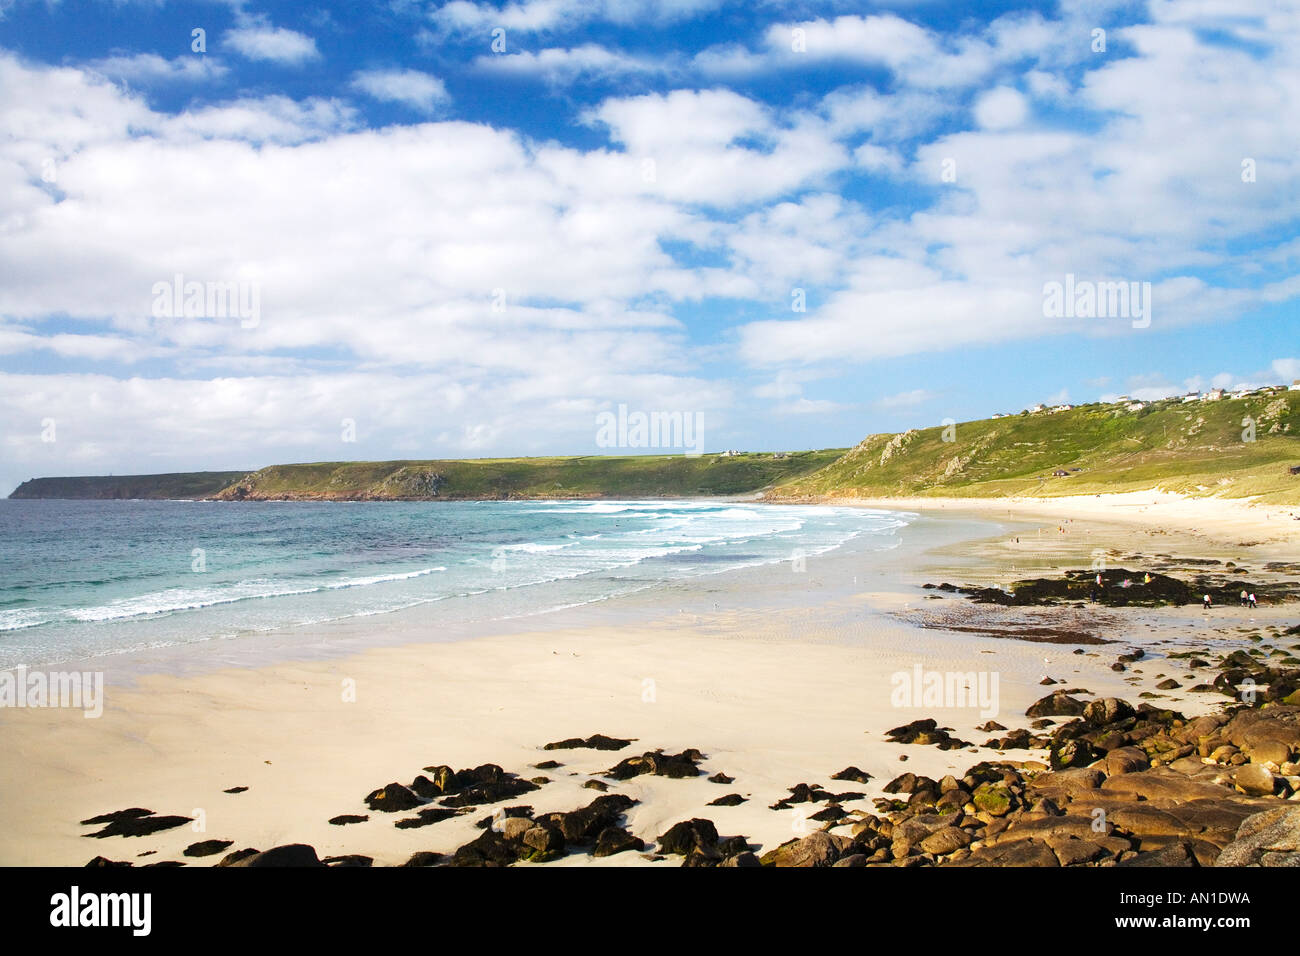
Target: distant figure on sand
1207 602
1243 598
1252 601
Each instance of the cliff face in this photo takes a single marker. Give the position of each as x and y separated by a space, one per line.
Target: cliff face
631 476
197 484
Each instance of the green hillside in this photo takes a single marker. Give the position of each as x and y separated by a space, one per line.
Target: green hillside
632 476
1194 448
194 484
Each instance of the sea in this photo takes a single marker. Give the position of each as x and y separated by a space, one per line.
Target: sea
82 580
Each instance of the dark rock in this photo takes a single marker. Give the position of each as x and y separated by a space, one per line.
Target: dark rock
926 731
343 819
235 790
722 778
290 855
230 859
854 774
351 859
730 800
424 858
689 835
490 849
584 825
392 799
1056 704
1107 710
100 862
426 817
616 840
594 742
138 826
206 847
544 841
134 813
658 763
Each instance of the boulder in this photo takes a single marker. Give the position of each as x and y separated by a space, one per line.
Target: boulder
816 849
1056 704
1271 838
392 799
1125 760
1106 710
292 854
689 835
946 840
616 840
1255 779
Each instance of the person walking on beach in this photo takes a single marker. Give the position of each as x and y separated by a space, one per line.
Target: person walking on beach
1252 601
1207 602
1243 598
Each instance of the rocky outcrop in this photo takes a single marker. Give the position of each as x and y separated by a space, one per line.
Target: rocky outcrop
1270 838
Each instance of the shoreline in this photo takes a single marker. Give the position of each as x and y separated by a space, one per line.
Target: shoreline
777 678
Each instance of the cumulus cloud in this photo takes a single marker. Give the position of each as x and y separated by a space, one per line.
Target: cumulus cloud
257 39
535 16
561 65
152 68
420 91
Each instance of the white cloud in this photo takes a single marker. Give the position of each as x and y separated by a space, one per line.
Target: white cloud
151 68
420 91
257 40
1000 108
534 16
1287 369
557 65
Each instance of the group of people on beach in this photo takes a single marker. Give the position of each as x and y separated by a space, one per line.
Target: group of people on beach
1247 600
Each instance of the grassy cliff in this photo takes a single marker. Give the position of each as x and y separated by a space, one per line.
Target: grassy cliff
194 484
632 476
1195 448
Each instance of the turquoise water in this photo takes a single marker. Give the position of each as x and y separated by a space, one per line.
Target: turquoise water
82 579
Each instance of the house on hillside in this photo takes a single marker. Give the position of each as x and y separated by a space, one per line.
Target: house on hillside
1060 473
1295 386
1295 469
1192 397
1039 408
1136 406
1213 395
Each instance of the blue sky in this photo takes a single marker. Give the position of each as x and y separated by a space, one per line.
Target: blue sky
468 228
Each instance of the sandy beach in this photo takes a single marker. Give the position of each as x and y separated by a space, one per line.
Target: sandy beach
776 677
